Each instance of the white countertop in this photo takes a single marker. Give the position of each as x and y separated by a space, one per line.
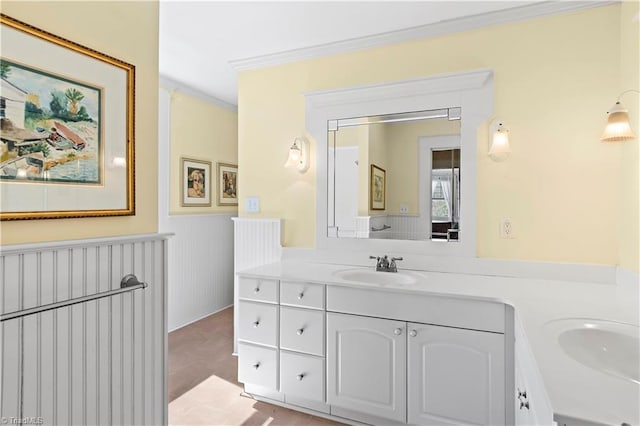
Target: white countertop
574 389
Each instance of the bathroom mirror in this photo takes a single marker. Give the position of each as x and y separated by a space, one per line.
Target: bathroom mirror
395 176
466 94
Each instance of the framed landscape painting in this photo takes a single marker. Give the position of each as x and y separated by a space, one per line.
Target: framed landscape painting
196 183
66 128
227 184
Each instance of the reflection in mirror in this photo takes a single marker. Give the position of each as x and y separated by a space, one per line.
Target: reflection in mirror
445 194
408 152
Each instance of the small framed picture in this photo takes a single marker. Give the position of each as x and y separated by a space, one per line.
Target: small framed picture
378 188
227 185
196 183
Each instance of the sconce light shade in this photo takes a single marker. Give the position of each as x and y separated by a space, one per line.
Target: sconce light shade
618 128
299 155
499 148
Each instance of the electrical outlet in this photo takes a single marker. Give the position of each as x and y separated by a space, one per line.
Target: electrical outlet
404 208
252 205
506 228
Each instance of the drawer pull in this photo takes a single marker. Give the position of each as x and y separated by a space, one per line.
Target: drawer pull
256 290
301 295
300 376
256 324
256 365
522 394
397 331
524 404
413 333
300 331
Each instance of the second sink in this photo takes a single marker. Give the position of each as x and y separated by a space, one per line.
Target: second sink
607 346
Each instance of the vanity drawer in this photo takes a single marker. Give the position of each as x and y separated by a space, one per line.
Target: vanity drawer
302 330
302 376
258 322
258 365
258 289
302 294
426 309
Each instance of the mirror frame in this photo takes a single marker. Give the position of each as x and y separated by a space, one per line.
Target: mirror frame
472 91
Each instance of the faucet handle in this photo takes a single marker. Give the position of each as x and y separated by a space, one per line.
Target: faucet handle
392 264
374 257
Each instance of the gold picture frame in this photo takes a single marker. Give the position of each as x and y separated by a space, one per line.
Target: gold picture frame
195 190
227 190
67 136
377 188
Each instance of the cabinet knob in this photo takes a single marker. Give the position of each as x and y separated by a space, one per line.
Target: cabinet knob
300 295
256 365
522 394
524 404
413 333
300 331
397 331
256 324
256 290
300 376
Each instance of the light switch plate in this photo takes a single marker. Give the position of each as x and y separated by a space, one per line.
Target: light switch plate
252 205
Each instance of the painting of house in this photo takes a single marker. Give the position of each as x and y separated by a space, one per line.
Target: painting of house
12 103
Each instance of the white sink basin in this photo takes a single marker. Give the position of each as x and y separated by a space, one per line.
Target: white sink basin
374 277
607 346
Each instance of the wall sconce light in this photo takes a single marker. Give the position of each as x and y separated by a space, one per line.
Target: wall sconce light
499 147
618 128
299 155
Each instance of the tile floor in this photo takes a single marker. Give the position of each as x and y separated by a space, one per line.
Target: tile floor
202 381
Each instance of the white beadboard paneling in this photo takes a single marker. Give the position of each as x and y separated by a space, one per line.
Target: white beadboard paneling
256 242
200 266
94 362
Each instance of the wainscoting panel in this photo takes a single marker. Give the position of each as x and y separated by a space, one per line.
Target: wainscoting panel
101 361
257 242
200 266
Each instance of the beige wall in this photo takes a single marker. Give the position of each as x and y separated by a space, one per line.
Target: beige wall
127 31
200 131
629 217
554 79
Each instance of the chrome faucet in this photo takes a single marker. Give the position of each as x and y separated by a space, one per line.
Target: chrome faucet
384 264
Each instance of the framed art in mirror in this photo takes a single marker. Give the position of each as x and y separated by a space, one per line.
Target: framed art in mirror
377 188
67 128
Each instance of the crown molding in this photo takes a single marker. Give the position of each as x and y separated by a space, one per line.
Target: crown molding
171 84
457 25
420 86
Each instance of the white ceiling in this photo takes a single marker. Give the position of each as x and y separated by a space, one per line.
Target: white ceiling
199 39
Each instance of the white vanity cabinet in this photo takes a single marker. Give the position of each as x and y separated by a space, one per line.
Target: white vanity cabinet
455 376
302 350
281 341
531 403
366 360
415 373
258 332
387 357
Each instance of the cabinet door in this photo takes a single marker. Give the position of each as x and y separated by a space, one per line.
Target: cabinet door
532 406
366 360
455 376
